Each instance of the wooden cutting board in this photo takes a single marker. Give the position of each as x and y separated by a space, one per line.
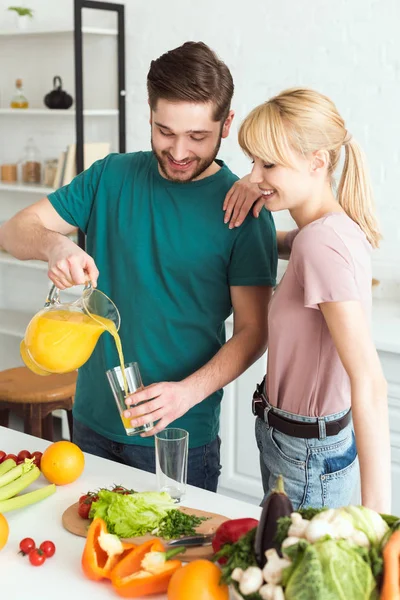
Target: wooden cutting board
75 524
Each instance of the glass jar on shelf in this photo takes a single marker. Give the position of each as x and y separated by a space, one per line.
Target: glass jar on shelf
31 167
19 100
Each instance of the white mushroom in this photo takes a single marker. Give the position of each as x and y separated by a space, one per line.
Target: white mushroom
272 571
271 592
251 580
236 574
298 526
289 541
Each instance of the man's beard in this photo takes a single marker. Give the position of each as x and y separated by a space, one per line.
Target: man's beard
202 164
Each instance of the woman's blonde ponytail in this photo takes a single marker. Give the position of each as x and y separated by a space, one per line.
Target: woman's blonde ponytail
355 193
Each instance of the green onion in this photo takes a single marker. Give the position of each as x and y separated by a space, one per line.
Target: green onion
13 488
7 465
26 499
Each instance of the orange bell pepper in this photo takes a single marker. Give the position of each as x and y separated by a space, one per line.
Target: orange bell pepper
102 551
145 570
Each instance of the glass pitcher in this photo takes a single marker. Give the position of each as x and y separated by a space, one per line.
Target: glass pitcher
61 337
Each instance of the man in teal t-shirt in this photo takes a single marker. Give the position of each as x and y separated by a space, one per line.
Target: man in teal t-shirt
158 247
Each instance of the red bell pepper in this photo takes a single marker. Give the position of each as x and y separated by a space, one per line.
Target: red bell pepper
230 532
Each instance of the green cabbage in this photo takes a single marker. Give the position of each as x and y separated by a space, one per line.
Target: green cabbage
368 521
328 570
134 514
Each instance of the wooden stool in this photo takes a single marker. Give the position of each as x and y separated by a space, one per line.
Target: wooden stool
34 397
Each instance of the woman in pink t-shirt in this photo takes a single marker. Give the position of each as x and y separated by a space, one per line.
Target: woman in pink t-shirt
323 373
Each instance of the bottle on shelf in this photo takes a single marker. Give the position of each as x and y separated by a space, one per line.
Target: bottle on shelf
19 100
31 168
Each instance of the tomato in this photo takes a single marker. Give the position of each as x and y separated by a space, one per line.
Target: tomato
84 510
26 545
48 548
2 456
24 454
119 489
13 456
85 504
37 457
37 557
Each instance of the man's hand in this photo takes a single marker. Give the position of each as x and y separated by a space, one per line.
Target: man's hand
167 401
242 196
70 265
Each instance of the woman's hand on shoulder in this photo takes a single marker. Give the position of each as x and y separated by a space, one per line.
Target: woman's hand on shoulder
241 198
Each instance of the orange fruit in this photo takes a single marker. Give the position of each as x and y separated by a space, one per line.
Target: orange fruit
62 462
199 580
4 531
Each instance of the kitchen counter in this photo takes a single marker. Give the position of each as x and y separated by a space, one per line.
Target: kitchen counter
61 576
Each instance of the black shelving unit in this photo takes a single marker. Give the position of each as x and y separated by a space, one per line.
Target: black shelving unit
79 5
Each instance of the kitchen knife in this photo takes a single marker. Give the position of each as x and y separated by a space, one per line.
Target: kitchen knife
192 541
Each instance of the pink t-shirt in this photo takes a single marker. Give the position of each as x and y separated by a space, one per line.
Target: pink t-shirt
330 262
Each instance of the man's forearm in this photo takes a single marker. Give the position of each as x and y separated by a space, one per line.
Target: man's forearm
371 426
237 355
25 237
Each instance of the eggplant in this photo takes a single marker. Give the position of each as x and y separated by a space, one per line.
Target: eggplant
277 505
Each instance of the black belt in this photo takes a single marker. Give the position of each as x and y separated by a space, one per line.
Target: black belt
297 429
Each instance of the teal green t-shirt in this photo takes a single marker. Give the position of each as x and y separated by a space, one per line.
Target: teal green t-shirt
167 260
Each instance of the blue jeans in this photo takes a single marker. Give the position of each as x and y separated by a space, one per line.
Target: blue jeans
203 462
317 472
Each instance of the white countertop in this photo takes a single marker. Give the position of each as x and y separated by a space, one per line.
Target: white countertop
61 576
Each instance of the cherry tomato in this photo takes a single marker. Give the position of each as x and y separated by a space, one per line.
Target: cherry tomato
37 557
13 456
84 510
2 456
85 504
119 489
24 454
26 545
48 548
37 456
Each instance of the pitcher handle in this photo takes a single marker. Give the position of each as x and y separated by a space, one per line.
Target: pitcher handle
54 294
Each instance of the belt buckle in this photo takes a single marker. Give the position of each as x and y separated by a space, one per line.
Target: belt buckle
255 401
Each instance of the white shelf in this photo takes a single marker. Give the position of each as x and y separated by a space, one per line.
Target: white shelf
40 112
7 259
14 322
23 187
67 31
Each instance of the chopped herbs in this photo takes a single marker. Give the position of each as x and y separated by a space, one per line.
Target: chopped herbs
176 524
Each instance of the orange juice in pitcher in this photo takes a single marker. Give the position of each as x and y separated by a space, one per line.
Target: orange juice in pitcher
61 337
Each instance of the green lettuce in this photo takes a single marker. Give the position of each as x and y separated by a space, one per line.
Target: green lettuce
134 514
328 570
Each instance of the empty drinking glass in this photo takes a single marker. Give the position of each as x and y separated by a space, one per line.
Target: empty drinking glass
171 461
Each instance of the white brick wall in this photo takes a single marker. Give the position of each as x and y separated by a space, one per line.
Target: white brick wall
347 49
